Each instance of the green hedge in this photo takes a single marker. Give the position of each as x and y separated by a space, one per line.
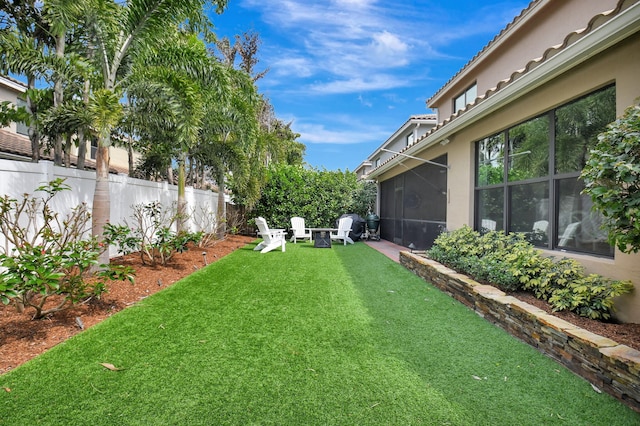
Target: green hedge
319 196
511 263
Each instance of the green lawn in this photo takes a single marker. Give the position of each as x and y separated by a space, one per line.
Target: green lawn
340 336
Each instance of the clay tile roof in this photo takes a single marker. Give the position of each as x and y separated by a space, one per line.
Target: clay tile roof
569 39
19 145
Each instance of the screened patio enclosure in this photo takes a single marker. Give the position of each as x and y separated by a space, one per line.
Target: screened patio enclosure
413 205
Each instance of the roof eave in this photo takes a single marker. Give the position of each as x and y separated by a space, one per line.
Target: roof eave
610 33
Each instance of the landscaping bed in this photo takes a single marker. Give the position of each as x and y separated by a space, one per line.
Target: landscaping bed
22 338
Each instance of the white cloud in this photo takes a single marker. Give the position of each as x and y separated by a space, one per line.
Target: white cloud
359 84
338 130
364 102
389 48
297 66
348 46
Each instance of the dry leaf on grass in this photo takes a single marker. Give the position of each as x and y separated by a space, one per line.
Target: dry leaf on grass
110 366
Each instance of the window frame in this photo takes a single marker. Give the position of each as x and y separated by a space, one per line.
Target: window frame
410 139
21 127
464 96
553 179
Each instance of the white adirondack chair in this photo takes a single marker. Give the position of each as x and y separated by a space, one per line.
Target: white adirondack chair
344 227
298 230
569 235
488 224
271 238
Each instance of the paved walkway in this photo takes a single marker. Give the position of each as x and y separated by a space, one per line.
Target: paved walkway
389 249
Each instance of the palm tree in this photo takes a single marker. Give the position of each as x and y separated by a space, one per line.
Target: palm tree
179 75
23 38
229 136
120 32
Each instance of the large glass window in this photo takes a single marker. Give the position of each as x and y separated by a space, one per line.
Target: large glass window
577 127
529 212
579 227
490 209
545 204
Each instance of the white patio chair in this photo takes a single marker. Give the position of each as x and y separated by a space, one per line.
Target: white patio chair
569 235
541 226
489 224
344 227
298 230
271 238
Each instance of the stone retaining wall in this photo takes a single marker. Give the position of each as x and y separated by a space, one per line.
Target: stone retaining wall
609 366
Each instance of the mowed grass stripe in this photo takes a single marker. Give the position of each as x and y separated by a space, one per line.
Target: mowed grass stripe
309 336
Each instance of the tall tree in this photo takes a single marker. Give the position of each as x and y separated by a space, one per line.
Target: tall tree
229 133
121 31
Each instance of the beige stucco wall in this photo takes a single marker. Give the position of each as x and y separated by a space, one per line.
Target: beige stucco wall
526 41
8 94
619 65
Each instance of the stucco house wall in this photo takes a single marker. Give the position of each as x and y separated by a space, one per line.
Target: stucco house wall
563 51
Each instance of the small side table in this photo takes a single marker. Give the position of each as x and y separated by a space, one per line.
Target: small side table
321 237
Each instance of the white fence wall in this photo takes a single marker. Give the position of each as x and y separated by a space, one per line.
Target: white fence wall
18 178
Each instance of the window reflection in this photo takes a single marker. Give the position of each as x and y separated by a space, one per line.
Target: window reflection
529 149
490 160
530 211
545 204
579 227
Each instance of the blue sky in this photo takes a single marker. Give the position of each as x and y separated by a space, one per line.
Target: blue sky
349 73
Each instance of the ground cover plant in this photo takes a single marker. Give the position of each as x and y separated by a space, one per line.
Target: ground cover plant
308 336
512 263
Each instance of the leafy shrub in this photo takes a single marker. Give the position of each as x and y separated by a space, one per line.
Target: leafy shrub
612 179
511 263
320 196
590 296
153 237
50 256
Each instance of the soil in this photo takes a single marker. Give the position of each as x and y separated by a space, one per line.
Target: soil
626 334
22 338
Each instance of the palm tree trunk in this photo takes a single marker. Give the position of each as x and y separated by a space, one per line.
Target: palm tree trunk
58 99
82 142
101 197
34 137
182 202
221 210
82 149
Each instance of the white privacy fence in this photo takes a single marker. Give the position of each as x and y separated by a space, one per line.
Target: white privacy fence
18 178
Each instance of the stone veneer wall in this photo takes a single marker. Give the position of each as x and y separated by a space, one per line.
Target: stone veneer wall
609 366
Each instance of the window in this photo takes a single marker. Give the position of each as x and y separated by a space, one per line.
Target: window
94 149
465 98
410 139
21 127
527 176
377 163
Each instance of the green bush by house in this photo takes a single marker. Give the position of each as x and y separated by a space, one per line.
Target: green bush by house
511 263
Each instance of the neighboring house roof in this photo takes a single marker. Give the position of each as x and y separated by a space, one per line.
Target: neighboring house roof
14 146
412 121
13 83
537 70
